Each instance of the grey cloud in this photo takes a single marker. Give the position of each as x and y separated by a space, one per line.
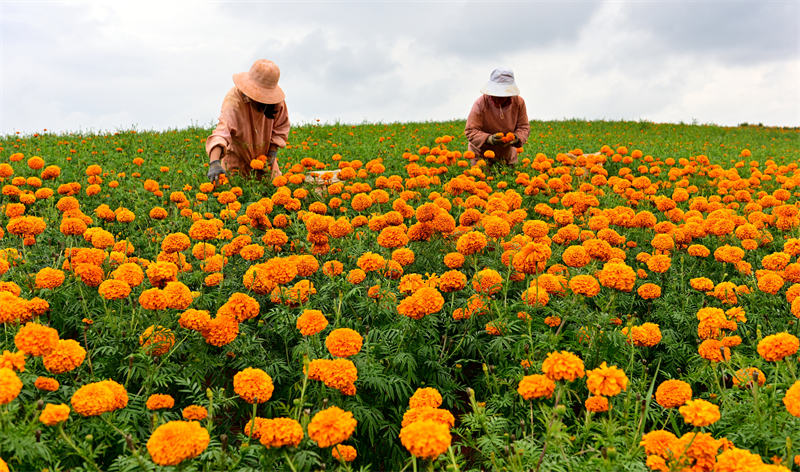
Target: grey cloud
730 31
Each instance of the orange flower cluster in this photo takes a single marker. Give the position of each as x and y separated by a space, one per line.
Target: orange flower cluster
423 302
340 374
176 441
331 426
96 398
253 385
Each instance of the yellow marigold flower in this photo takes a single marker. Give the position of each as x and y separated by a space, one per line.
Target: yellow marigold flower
280 432
606 381
176 441
253 385
54 414
10 385
777 346
343 342
344 453
536 386
792 399
563 366
597 404
426 439
159 401
49 278
157 340
426 396
331 426
47 384
36 339
195 412
66 356
699 412
673 392
311 322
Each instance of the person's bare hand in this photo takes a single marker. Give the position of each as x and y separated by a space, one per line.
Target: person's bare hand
276 169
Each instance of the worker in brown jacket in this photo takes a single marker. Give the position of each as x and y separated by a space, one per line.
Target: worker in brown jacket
253 122
499 110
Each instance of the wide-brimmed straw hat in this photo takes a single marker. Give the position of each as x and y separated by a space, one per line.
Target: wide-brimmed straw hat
261 82
501 84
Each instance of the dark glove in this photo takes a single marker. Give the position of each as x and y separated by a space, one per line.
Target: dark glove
214 171
494 140
515 143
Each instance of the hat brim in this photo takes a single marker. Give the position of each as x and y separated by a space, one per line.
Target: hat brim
500 90
256 92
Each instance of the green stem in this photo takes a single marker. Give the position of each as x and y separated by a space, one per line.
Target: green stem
289 461
83 455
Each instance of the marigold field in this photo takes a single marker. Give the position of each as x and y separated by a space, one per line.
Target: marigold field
625 298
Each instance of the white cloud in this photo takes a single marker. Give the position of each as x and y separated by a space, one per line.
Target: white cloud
110 65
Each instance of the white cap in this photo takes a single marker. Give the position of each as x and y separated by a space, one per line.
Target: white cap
501 84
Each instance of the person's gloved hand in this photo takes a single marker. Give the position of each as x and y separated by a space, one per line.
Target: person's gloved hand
214 171
494 140
515 143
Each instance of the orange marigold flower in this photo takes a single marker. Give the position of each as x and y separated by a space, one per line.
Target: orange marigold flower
424 413
10 385
575 256
536 386
175 242
343 342
424 301
747 376
195 412
130 273
159 401
426 439
47 384
606 381
426 396
452 281
220 331
112 289
65 357
487 281
597 404
714 351
280 432
331 426
240 307
585 285
645 335
702 284
176 441
53 414
649 291
194 319
471 243
36 339
454 260
563 366
49 278
699 413
253 385
792 399
370 261
617 275
777 346
96 398
672 393
157 340
153 299
340 374
344 453
311 322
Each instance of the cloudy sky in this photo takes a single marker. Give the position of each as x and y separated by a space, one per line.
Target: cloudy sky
108 65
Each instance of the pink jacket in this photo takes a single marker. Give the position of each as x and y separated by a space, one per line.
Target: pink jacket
246 134
486 119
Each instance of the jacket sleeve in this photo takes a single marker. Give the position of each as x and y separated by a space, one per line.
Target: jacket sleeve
473 131
523 129
227 127
280 127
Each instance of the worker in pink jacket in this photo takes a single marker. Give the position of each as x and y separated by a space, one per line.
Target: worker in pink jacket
253 122
499 110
